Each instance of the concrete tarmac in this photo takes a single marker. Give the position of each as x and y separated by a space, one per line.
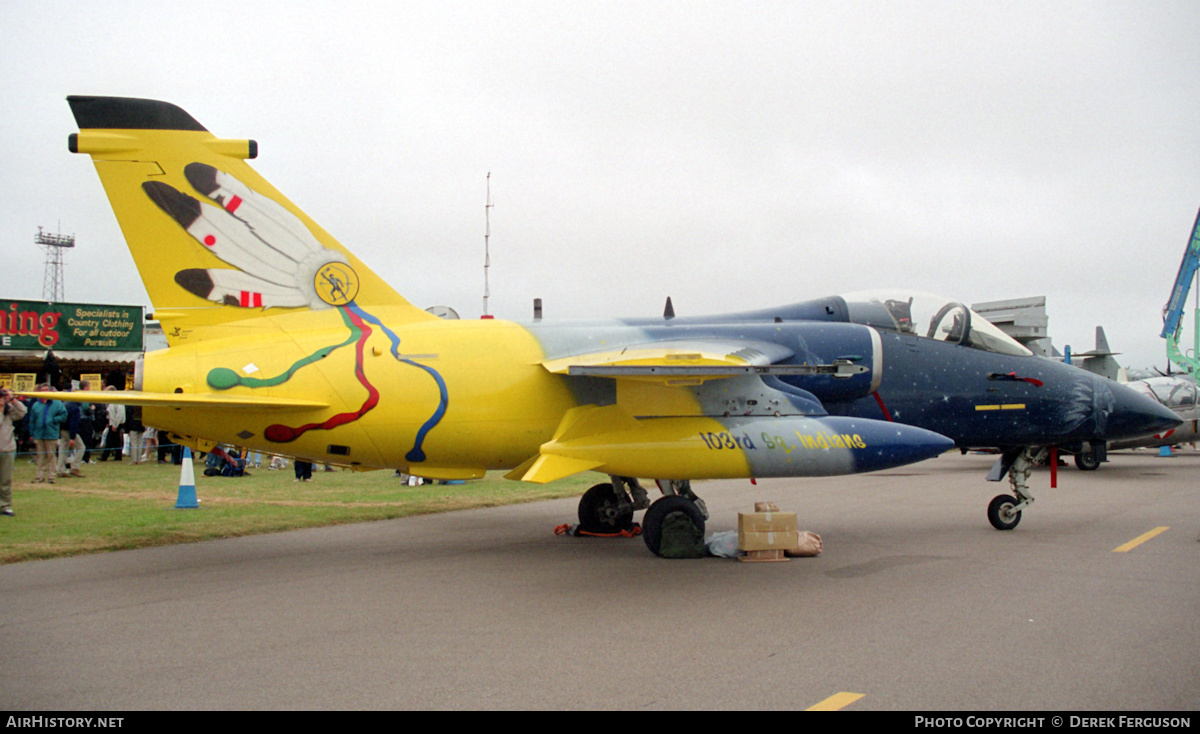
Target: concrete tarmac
917 604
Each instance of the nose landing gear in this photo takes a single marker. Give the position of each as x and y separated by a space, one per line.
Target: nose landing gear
1004 511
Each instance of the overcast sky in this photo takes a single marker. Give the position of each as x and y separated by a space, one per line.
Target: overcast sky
732 155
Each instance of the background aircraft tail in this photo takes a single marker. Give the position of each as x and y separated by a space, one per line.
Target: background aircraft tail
1101 359
213 241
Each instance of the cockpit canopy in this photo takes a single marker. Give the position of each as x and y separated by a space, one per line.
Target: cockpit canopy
905 312
930 316
1173 392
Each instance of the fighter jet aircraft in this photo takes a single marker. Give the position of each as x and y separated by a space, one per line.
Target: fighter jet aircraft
281 340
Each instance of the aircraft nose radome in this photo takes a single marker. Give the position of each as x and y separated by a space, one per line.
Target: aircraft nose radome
930 444
896 444
1134 415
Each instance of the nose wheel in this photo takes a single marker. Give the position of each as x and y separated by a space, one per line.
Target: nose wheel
1002 512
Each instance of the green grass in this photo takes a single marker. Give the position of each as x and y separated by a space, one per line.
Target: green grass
120 506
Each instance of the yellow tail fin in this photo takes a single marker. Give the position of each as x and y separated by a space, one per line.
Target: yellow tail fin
213 241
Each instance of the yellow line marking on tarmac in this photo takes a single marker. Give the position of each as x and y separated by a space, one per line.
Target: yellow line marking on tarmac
836 702
1140 539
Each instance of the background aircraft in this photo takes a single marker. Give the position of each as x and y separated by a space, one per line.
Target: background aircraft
281 340
1100 360
1177 392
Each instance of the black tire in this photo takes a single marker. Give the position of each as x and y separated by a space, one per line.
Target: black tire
1000 512
1087 461
600 512
663 508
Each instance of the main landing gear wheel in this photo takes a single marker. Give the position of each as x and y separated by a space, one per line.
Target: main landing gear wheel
601 511
1087 461
1001 513
669 508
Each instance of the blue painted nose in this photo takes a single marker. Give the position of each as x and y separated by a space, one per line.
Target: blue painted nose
1134 415
888 445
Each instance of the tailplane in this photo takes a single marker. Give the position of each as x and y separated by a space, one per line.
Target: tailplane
213 241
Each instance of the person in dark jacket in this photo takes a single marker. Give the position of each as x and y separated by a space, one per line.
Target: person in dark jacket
303 470
70 442
135 430
87 424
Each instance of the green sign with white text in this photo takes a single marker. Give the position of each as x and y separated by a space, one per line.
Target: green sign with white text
69 327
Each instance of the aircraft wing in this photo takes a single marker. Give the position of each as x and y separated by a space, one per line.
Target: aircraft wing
692 362
181 400
716 352
673 385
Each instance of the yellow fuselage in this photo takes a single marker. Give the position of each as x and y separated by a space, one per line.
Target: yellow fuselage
497 403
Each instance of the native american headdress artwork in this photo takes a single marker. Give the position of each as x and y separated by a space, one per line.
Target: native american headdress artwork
278 262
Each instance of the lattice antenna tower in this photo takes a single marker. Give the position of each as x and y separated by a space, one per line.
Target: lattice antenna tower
487 233
54 245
